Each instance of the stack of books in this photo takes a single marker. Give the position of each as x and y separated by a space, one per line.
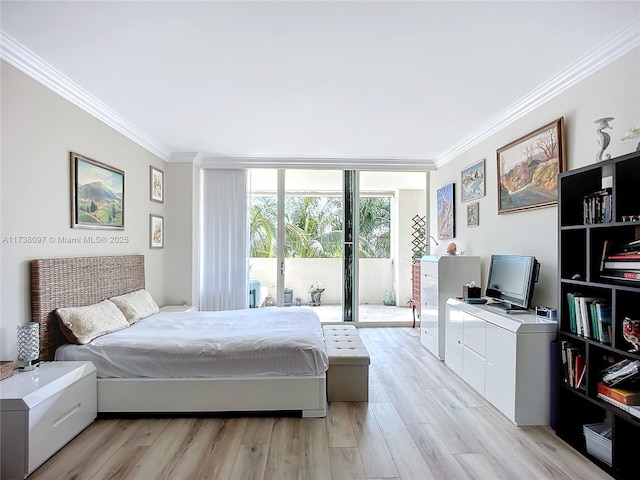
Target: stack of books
620 386
574 365
624 264
597 207
590 317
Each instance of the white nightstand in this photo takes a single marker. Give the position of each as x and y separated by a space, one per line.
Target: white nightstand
178 308
41 411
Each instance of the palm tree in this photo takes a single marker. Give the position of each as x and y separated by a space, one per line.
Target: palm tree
314 227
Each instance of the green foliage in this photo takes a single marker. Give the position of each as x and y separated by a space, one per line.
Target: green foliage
314 227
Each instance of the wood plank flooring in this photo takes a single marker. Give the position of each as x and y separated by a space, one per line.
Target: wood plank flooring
422 422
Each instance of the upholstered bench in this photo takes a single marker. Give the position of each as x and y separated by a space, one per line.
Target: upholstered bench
348 374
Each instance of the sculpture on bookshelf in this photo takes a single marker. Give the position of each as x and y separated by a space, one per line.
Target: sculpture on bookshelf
603 137
631 333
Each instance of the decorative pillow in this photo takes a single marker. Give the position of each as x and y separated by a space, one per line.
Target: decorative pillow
136 305
84 324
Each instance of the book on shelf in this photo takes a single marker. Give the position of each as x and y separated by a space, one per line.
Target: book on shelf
585 319
632 409
573 365
629 264
628 397
624 256
622 374
597 207
629 275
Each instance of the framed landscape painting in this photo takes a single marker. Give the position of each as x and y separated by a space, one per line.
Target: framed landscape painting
446 211
472 179
156 231
97 194
528 169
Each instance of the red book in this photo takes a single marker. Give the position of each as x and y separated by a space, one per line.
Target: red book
627 397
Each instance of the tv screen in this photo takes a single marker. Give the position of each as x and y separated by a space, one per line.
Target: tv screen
511 280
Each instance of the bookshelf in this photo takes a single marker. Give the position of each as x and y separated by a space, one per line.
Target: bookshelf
582 239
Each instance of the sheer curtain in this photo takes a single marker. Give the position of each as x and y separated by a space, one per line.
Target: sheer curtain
224 240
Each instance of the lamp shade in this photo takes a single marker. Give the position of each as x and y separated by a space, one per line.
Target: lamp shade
28 344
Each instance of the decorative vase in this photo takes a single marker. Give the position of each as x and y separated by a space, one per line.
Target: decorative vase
631 333
316 298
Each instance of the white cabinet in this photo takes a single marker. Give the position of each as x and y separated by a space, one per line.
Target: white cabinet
178 308
441 278
505 358
41 410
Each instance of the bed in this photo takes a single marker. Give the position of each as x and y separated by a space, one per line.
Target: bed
73 282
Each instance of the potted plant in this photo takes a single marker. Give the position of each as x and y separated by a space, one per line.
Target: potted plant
316 293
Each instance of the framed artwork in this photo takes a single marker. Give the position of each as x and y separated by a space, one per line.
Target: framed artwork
473 214
528 169
97 194
156 186
472 179
156 231
446 211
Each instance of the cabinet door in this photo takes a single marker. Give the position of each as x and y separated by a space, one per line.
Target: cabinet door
453 339
429 313
473 369
475 333
501 369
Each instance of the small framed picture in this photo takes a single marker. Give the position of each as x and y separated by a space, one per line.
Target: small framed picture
157 184
156 231
473 214
472 179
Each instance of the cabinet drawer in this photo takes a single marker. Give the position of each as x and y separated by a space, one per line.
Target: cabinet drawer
56 421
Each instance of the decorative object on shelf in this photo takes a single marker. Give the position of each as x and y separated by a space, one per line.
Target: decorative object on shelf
631 333
418 240
472 180
528 169
452 248
603 137
97 194
156 177
446 211
473 214
28 344
634 132
316 294
156 231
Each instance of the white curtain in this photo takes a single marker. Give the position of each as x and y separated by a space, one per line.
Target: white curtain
223 285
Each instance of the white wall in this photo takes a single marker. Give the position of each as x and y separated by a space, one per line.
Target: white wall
613 92
39 130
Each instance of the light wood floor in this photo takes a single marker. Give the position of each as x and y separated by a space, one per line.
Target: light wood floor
422 422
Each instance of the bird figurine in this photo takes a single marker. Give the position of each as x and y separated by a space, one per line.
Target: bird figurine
603 137
631 333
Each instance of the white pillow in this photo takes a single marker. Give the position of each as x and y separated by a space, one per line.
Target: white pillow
136 305
84 324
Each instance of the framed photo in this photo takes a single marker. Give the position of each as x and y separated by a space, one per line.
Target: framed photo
473 214
446 211
97 194
528 169
156 186
156 231
472 179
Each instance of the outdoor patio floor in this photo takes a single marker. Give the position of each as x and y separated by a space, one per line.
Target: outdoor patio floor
392 315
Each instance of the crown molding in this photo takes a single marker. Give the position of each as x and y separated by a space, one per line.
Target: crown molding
23 59
618 45
186 157
325 163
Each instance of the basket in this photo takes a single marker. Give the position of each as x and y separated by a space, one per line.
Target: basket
597 444
6 369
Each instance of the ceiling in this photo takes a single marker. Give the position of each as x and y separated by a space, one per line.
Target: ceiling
336 82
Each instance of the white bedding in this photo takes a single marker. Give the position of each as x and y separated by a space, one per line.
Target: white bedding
254 342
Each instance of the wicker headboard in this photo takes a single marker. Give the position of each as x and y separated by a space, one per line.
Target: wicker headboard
75 282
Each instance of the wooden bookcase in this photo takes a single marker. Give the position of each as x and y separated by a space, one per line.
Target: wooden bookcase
579 258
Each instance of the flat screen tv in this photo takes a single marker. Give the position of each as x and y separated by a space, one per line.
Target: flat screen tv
511 281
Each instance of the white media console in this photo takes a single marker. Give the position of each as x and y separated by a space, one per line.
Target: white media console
505 358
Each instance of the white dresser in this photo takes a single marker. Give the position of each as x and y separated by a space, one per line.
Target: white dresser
42 410
441 278
505 358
